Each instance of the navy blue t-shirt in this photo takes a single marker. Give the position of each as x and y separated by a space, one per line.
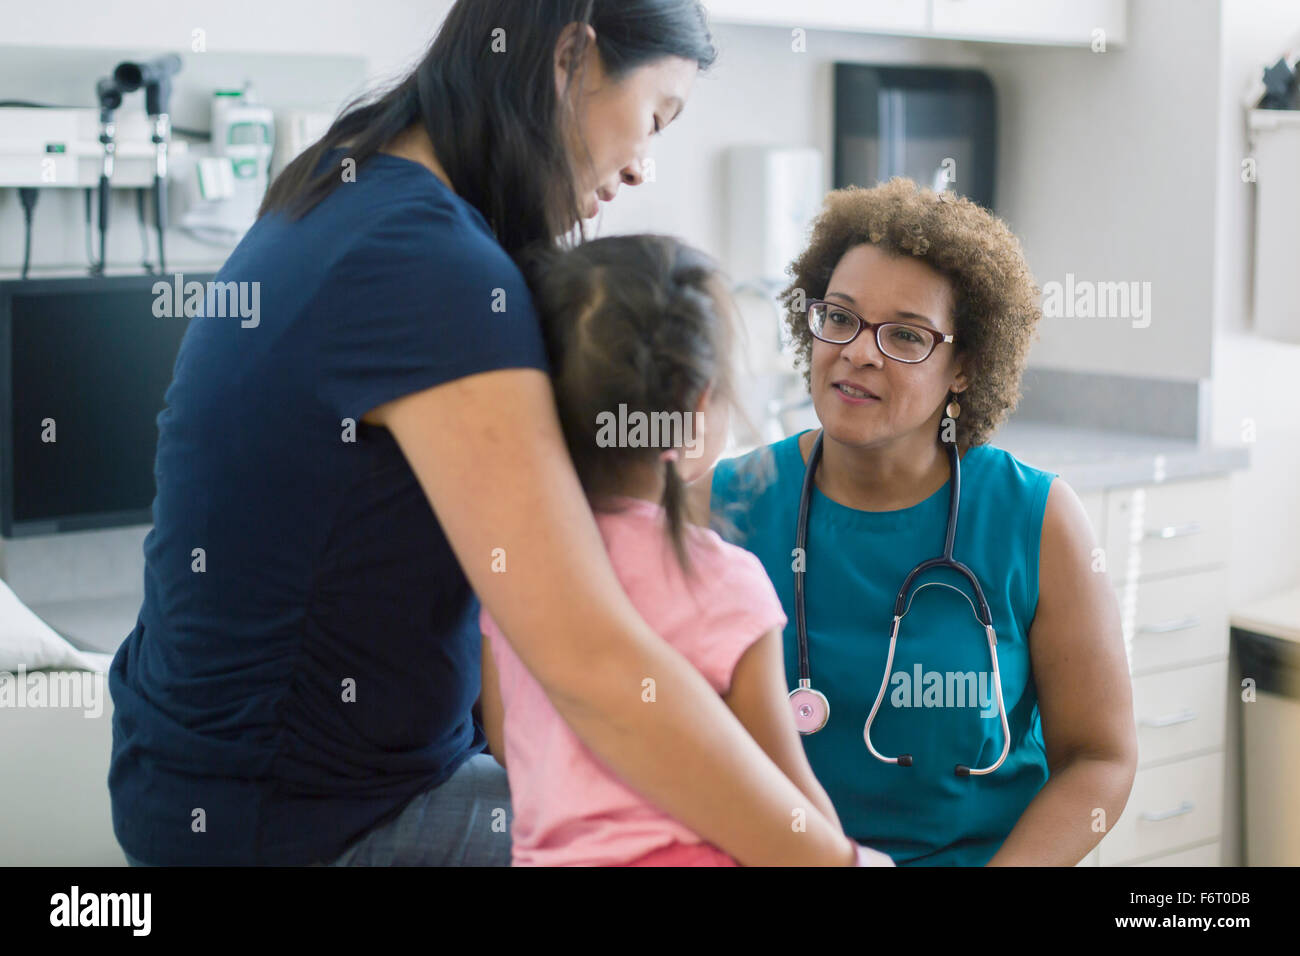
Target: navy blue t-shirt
307 654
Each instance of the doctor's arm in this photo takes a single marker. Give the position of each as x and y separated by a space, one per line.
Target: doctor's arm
1085 697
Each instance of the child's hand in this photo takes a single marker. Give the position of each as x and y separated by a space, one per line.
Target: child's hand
869 857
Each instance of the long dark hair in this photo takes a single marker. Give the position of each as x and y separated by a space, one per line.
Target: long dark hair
495 121
644 321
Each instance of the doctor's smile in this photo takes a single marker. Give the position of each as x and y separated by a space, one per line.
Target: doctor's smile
651 433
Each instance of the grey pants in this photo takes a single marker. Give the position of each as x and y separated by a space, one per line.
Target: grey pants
464 822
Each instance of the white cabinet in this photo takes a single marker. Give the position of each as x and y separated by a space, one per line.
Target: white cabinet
1071 22
1163 529
1064 22
1173 807
1165 547
867 16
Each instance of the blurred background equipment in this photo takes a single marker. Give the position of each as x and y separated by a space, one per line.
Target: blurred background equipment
774 193
193 153
110 98
155 76
223 194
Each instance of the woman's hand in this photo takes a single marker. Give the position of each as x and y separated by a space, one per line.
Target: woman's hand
869 857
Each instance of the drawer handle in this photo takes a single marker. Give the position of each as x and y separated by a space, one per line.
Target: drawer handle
1168 627
1185 807
1175 530
1169 719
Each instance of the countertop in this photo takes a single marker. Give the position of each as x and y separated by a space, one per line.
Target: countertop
1091 460
1094 459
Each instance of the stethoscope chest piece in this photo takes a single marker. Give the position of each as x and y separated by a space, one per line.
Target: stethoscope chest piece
811 708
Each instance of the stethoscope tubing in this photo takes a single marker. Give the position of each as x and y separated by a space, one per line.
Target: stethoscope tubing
947 560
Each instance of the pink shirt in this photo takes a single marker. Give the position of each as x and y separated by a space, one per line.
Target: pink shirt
569 810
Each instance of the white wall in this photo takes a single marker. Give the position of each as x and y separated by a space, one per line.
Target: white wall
1255 379
1106 170
760 92
390 33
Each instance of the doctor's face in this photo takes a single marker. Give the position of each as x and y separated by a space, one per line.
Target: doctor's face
904 399
616 120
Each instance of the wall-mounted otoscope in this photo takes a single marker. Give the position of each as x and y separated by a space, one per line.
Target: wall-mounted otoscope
156 78
109 95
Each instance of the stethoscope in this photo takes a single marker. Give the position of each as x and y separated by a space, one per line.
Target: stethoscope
811 708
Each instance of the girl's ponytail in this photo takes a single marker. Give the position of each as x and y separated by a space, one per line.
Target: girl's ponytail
634 324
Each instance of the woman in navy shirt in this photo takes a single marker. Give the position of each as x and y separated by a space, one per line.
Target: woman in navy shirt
340 478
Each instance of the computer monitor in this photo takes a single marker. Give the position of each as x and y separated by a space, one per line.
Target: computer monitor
84 365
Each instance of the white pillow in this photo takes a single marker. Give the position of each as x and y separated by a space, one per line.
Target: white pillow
28 643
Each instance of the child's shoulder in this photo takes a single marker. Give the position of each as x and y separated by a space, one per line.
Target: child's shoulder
728 557
730 578
711 615
718 566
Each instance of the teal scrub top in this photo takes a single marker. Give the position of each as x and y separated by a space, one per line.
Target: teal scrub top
940 705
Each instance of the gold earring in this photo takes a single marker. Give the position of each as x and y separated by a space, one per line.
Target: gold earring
953 408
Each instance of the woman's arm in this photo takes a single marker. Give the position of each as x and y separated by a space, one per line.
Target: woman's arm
489 702
759 698
1084 695
490 456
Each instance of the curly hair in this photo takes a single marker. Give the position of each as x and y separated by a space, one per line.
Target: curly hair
996 301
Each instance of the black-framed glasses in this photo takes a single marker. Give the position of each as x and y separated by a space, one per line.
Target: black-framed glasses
900 341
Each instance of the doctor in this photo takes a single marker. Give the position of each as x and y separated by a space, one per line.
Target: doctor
912 314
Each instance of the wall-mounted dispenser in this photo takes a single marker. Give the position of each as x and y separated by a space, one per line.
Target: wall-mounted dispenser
935 126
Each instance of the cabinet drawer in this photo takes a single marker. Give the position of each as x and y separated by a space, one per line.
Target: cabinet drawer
1175 621
1180 711
1208 855
1160 529
1170 807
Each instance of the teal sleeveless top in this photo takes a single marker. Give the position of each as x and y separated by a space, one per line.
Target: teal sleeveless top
940 705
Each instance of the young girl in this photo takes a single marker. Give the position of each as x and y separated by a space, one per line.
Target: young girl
639 334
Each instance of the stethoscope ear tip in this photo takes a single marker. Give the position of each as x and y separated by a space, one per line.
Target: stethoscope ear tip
962 770
905 760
